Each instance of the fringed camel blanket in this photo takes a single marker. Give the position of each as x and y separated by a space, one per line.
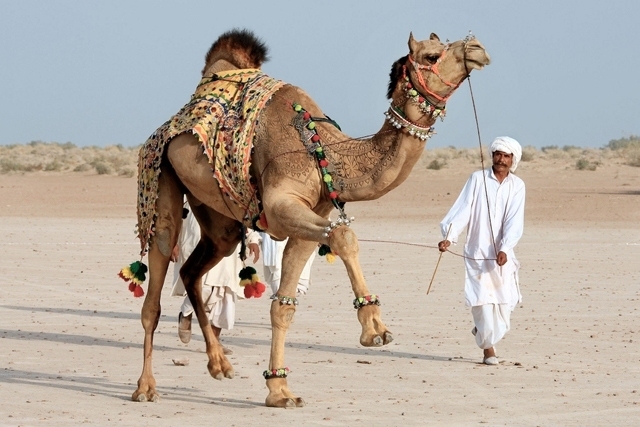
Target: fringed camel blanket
222 114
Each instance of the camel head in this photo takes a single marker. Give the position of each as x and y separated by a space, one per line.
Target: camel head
435 69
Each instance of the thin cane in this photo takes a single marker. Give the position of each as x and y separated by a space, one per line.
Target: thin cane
438 263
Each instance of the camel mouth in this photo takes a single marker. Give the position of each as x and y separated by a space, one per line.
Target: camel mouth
478 64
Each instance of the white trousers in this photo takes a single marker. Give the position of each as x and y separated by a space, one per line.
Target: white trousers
273 274
492 322
219 303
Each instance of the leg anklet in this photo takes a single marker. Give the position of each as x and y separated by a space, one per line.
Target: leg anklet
275 373
366 300
285 300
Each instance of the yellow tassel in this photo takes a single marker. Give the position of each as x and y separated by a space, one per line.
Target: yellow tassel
255 278
330 258
245 282
126 273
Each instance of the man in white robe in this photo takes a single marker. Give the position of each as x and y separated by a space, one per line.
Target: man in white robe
494 228
220 286
272 252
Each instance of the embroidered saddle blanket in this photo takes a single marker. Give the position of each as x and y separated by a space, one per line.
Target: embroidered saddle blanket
222 114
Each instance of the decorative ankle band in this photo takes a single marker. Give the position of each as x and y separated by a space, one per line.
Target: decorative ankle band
285 300
275 373
342 220
366 300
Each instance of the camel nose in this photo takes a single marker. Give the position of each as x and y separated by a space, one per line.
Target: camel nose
477 53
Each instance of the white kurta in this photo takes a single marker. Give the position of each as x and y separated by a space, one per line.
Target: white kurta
220 285
272 254
485 281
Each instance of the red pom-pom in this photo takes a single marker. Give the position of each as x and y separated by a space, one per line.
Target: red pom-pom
249 291
259 289
132 286
323 163
333 194
138 291
420 99
409 85
315 138
306 115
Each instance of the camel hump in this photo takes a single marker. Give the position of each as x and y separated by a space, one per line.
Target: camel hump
239 47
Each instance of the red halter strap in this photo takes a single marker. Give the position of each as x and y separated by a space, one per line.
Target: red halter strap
434 69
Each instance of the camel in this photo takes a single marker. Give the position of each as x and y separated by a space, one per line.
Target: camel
302 169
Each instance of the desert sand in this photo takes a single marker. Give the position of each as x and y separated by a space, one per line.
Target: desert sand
71 338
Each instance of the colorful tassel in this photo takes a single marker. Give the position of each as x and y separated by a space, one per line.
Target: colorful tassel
326 252
135 275
250 281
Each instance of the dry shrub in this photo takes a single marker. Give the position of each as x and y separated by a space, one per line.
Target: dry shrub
437 164
584 164
528 153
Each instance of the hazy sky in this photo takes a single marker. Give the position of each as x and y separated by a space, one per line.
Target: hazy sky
111 72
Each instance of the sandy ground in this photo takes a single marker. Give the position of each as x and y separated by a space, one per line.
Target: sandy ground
71 339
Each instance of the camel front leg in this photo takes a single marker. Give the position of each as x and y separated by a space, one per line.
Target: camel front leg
283 308
344 243
282 311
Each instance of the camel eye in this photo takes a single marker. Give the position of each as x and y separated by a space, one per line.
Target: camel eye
431 58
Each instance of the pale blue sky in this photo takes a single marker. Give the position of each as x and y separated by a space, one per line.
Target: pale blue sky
110 72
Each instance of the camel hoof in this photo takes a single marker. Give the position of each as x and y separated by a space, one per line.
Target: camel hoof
219 376
229 374
377 341
142 397
388 337
286 402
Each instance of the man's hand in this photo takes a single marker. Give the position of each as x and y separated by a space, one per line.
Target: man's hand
444 245
254 249
502 258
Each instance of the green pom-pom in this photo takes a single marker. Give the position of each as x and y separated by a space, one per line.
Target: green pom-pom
246 273
297 107
323 250
138 269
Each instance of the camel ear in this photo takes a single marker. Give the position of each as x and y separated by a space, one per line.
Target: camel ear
434 36
413 44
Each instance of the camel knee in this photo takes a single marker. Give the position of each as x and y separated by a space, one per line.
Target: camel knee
343 242
282 315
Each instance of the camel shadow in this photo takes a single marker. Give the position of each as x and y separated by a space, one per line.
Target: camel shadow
237 341
90 386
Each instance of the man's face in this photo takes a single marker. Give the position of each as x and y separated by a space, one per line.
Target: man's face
502 161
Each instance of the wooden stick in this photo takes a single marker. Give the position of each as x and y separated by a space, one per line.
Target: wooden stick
438 263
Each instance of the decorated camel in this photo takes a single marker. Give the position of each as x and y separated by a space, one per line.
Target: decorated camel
252 151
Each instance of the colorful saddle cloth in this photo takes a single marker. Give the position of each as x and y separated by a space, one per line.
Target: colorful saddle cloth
222 114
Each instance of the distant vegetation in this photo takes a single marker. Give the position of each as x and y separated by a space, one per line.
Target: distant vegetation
56 157
122 161
624 151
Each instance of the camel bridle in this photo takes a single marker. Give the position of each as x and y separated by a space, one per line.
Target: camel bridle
433 68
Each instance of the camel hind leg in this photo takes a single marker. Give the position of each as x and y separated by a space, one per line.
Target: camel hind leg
167 228
219 238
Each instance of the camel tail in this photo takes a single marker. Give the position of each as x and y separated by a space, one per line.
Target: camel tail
240 47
